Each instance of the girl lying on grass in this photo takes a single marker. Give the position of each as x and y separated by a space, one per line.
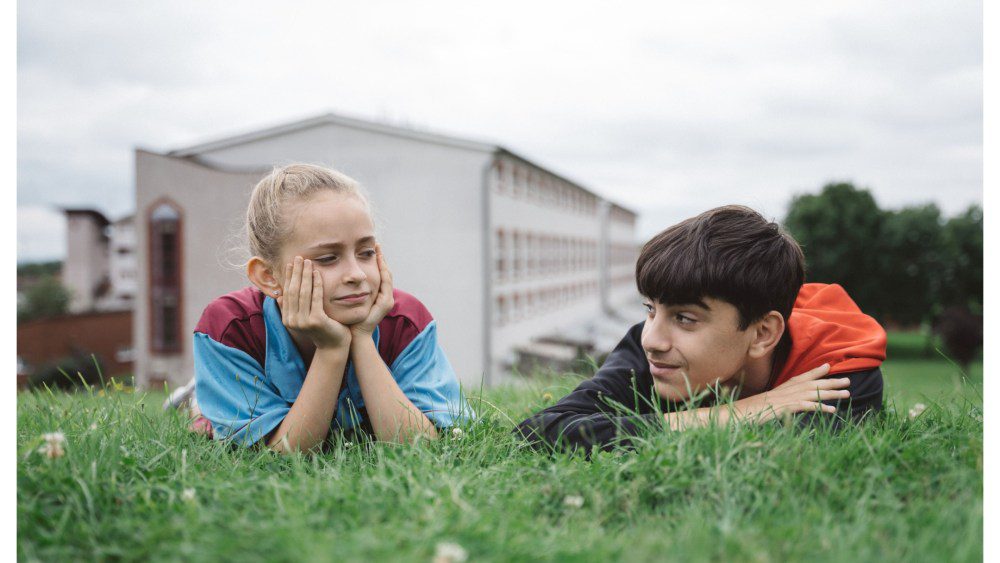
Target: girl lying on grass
322 338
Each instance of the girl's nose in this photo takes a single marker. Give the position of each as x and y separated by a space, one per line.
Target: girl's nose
354 273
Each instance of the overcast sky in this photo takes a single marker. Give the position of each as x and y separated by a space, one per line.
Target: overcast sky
669 110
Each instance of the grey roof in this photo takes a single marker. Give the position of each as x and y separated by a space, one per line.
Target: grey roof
193 152
99 217
332 119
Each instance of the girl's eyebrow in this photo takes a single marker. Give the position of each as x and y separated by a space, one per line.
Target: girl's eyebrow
337 245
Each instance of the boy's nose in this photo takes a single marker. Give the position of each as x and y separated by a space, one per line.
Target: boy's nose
655 337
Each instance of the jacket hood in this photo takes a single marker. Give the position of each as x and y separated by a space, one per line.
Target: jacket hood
826 326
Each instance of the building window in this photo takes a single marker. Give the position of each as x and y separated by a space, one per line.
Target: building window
499 182
532 255
501 255
165 278
501 313
515 260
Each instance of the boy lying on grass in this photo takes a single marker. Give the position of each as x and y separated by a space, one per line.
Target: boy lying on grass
728 314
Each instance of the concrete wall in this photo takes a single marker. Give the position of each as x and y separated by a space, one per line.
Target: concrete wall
512 208
210 203
86 263
122 265
427 199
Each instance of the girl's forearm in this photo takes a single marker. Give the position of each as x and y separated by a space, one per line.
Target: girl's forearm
393 416
308 422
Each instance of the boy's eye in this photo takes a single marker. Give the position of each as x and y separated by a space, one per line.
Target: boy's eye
325 259
370 253
649 308
683 319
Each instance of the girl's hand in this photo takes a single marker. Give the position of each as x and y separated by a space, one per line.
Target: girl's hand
802 393
383 301
302 307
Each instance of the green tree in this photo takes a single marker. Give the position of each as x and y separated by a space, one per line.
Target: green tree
838 229
45 298
912 255
963 260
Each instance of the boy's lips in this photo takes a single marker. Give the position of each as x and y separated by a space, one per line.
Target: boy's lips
660 369
352 299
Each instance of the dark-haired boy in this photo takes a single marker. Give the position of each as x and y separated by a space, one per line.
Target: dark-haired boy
727 311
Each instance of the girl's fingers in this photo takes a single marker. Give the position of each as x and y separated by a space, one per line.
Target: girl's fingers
317 293
306 288
292 289
385 276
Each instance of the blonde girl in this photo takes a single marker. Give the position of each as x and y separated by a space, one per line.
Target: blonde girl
321 339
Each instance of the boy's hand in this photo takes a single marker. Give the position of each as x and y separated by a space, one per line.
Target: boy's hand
383 301
802 393
302 307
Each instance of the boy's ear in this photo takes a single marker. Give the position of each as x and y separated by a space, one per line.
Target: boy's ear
261 275
766 334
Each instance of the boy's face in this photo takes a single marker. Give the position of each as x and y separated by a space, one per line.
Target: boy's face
694 346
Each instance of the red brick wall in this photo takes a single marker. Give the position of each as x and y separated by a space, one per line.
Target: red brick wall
46 340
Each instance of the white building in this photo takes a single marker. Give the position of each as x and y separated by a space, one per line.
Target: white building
501 250
99 270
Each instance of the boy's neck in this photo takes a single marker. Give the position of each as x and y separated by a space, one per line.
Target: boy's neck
759 375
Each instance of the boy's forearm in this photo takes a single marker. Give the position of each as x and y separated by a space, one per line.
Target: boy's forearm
393 416
308 422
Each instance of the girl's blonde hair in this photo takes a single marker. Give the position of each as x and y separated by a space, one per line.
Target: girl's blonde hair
266 227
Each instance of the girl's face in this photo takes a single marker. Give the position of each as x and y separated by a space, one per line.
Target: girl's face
335 231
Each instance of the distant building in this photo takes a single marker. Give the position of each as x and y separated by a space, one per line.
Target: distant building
503 252
99 270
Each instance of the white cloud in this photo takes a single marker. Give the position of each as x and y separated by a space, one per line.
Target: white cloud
41 233
667 108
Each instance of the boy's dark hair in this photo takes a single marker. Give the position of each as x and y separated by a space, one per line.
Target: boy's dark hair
730 253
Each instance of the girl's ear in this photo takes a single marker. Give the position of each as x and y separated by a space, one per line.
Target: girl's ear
262 275
766 334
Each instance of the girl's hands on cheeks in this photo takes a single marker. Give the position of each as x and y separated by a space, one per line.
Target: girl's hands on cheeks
302 307
383 301
802 393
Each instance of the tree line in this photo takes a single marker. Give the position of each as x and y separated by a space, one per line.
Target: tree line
904 267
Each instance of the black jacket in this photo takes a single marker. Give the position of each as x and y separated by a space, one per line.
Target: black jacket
620 400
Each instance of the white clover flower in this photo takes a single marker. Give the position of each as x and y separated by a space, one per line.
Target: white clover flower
448 552
93 426
187 495
917 410
53 446
457 433
347 445
573 501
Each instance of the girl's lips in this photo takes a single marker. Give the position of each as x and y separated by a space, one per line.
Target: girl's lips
352 299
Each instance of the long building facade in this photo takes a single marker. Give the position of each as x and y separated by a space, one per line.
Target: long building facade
502 251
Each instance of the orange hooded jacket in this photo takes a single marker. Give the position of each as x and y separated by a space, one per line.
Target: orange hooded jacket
826 326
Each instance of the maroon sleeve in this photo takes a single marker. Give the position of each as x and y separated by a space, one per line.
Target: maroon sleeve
405 321
237 320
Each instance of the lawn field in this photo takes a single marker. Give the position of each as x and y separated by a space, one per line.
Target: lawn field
133 484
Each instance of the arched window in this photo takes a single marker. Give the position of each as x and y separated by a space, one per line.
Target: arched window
165 278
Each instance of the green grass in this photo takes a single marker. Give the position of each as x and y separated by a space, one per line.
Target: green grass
895 490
